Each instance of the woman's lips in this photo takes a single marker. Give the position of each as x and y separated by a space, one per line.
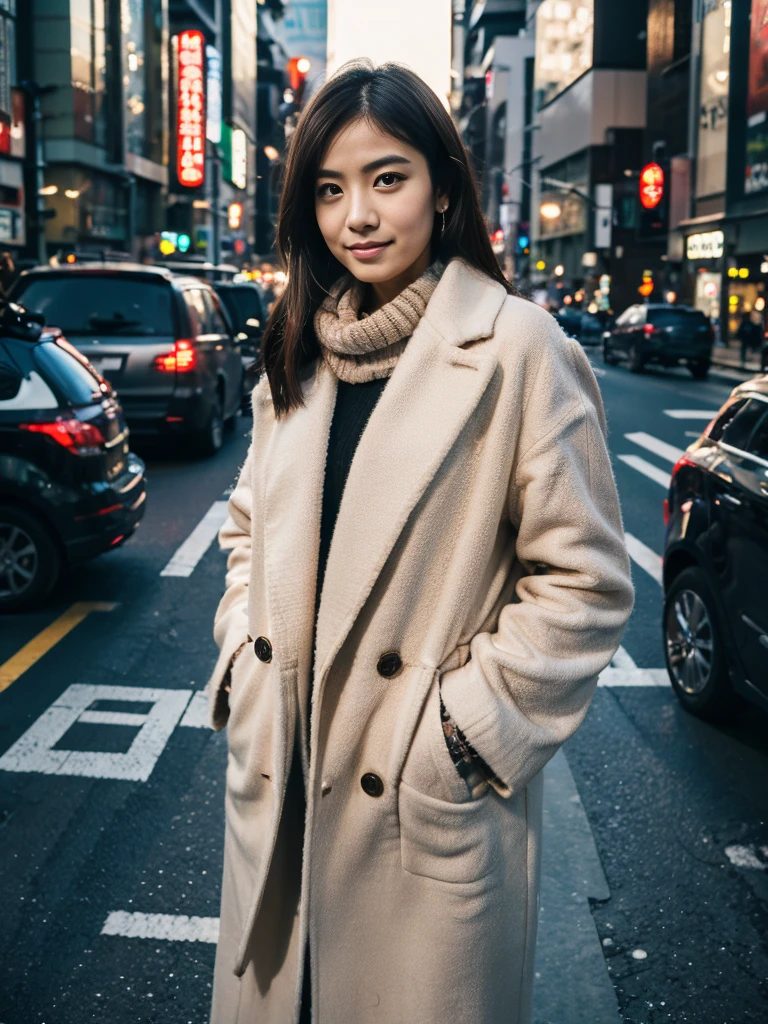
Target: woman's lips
369 253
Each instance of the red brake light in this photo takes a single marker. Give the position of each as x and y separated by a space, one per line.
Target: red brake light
684 460
182 359
648 328
78 437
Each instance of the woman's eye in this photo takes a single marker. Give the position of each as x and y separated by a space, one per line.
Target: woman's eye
389 178
323 189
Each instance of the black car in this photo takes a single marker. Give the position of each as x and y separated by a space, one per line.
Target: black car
242 301
716 560
70 487
163 342
662 334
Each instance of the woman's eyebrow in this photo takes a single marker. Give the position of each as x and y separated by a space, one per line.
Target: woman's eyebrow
374 165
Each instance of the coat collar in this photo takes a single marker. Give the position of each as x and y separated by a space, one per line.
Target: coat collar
433 391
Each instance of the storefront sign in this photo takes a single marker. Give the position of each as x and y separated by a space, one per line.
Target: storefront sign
190 136
651 186
706 246
756 168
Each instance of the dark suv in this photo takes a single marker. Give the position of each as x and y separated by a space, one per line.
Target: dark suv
164 343
70 487
662 334
716 560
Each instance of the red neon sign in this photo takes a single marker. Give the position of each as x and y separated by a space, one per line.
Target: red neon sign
190 124
651 185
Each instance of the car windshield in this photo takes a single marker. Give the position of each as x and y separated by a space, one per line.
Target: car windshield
89 304
677 318
242 304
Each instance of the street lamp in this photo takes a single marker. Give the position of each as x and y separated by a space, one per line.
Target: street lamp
550 210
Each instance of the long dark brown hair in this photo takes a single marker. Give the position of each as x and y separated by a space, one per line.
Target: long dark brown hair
397 102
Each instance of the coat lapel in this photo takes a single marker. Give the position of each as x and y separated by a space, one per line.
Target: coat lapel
293 499
431 395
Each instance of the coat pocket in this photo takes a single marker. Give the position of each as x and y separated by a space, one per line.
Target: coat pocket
446 841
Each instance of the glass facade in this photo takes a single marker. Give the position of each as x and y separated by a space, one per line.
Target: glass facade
144 36
88 50
713 97
564 38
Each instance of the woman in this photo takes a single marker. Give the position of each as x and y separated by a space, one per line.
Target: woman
410 655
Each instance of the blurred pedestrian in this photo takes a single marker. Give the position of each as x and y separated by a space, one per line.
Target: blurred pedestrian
750 336
427 572
8 273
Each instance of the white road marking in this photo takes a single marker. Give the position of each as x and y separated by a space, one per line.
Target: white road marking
655 445
624 672
647 469
643 556
691 414
744 857
112 718
33 752
196 714
174 927
188 554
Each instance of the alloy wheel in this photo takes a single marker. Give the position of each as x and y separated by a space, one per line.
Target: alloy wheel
18 560
690 642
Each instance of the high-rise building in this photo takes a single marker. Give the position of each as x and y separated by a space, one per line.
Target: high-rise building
100 69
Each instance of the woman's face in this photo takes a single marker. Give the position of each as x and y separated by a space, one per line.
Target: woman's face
376 207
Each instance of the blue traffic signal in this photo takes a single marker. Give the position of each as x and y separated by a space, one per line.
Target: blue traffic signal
522 241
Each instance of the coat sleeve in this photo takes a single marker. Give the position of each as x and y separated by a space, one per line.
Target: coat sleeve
230 627
527 686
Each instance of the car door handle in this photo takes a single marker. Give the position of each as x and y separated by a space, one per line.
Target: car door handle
731 499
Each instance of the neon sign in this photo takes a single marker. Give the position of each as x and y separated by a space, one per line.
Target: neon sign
651 186
190 130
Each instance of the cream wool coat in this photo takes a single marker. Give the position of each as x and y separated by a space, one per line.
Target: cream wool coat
480 537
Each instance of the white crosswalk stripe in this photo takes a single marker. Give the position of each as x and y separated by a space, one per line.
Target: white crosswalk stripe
691 414
647 469
655 445
188 554
174 927
645 557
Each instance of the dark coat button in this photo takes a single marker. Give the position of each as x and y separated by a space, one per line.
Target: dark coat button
372 784
389 664
263 648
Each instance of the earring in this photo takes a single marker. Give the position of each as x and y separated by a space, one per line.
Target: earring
442 229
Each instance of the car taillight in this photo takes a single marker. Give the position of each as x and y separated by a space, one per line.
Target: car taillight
182 359
684 460
648 328
80 438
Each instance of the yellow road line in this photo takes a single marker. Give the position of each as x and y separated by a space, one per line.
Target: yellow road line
48 638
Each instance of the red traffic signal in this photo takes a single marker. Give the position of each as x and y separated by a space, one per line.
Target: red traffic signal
297 68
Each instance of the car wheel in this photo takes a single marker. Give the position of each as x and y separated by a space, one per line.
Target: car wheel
608 356
699 370
30 562
211 437
636 364
694 649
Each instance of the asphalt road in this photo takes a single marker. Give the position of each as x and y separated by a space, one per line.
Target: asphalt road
110 851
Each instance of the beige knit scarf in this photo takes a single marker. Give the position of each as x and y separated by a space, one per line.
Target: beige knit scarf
359 350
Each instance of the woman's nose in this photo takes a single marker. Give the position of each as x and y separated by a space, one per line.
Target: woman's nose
361 215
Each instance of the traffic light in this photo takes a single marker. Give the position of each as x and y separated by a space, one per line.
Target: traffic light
297 68
652 197
523 237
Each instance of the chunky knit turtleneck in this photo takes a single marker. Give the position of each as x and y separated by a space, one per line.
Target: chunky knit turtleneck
363 349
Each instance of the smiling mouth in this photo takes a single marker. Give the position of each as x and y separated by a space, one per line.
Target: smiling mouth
368 249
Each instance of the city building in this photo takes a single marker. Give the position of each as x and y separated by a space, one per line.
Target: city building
589 120
98 71
13 226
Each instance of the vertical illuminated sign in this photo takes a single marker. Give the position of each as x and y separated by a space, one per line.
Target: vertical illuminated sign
190 132
239 158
